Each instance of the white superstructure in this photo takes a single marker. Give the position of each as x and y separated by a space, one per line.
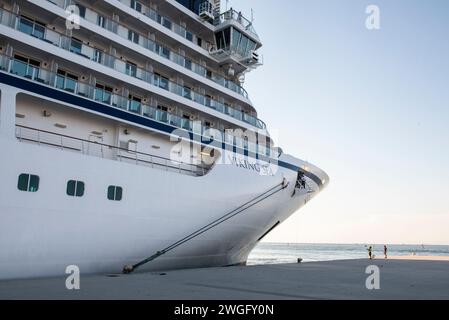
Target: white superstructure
126 134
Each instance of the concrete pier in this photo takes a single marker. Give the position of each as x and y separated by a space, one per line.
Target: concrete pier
399 279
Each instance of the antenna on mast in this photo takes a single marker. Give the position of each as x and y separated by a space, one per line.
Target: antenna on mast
252 15
227 2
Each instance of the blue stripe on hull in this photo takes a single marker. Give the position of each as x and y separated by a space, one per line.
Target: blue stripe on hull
85 103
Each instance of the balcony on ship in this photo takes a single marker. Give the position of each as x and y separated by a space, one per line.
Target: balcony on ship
30 70
152 45
73 45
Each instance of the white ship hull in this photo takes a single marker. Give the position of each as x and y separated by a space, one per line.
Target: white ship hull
45 232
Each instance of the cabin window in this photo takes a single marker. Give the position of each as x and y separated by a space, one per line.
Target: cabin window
39 29
103 93
186 123
134 103
25 67
164 52
115 193
133 36
75 188
131 69
209 74
188 63
162 113
101 21
98 55
26 25
228 109
32 27
209 101
187 92
28 182
165 22
161 81
66 81
76 46
136 5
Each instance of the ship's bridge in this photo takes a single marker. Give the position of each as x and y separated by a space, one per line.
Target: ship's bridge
237 42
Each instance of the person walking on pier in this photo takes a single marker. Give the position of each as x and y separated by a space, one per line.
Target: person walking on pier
385 251
370 252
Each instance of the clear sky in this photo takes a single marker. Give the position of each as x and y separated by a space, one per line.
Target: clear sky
371 108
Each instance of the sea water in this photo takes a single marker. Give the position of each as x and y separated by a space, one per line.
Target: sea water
269 253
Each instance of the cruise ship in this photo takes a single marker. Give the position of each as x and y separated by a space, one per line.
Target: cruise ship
128 142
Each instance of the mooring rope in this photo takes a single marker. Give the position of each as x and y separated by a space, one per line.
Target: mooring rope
213 224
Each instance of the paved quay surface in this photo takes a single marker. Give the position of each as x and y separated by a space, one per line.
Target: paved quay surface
345 279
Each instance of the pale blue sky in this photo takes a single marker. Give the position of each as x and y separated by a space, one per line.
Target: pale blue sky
369 107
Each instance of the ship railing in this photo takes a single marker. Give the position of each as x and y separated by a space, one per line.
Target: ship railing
95 147
156 47
107 97
233 15
99 94
166 22
250 59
